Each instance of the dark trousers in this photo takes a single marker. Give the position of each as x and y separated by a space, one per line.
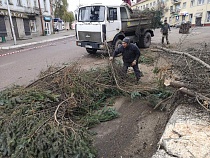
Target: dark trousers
135 68
165 36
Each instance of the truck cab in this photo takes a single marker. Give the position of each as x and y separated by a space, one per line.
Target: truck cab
99 23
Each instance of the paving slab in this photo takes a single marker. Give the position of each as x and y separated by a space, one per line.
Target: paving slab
187 134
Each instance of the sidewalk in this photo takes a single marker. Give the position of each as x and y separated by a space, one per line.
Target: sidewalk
37 40
186 134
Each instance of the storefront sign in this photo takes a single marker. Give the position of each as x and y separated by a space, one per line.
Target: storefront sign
14 14
47 18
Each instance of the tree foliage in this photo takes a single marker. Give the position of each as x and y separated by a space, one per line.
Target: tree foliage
61 7
68 17
51 118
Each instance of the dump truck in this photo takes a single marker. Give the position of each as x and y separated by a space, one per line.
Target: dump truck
98 24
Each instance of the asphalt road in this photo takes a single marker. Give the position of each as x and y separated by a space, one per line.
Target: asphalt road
23 67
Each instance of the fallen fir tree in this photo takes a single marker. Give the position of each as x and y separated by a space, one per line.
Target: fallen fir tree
51 117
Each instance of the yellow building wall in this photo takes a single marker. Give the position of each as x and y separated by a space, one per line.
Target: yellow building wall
188 13
146 4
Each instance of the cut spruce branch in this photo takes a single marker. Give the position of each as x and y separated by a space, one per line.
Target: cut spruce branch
31 84
186 54
201 99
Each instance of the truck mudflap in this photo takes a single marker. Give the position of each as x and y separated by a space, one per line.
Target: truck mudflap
91 45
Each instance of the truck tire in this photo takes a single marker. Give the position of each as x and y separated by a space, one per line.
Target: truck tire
91 51
117 43
145 41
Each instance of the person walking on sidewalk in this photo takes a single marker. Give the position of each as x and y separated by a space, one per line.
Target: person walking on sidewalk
130 54
164 31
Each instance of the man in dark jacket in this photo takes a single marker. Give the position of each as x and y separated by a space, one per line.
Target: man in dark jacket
130 54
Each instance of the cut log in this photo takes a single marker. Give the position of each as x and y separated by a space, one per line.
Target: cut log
176 84
201 99
186 54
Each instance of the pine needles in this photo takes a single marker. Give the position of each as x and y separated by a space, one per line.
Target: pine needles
51 117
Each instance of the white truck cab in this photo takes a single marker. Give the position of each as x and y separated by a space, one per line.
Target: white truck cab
98 23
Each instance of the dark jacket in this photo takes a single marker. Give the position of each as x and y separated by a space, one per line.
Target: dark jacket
129 54
165 28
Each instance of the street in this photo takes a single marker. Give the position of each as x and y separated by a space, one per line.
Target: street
23 67
121 136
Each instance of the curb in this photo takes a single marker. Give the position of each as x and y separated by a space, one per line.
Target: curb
33 43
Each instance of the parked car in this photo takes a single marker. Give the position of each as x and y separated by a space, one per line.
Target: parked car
177 25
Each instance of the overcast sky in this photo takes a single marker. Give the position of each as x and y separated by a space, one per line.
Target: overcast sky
74 3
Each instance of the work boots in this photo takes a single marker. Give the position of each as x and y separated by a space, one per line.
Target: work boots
162 40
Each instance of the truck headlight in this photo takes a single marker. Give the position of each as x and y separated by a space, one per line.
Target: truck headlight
78 43
101 46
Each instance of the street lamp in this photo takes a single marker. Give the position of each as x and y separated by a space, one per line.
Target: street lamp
11 23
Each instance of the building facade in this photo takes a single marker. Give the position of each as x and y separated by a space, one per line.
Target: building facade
195 11
29 17
177 11
148 4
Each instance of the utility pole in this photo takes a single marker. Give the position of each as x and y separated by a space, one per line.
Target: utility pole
41 17
52 13
11 23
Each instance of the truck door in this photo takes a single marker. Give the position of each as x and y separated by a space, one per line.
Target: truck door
113 25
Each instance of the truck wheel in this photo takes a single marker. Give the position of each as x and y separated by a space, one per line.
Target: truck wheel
145 41
91 51
118 43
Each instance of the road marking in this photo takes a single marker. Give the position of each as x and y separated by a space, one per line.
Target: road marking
28 49
10 63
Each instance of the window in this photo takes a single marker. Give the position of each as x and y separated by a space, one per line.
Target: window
1 3
143 6
147 5
177 18
19 3
45 6
95 13
35 3
184 5
200 2
112 13
171 8
150 4
190 17
154 3
208 17
192 3
33 25
10 2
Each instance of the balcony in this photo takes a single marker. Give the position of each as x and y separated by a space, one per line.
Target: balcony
30 10
175 11
175 1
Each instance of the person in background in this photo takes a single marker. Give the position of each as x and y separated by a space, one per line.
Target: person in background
164 30
130 54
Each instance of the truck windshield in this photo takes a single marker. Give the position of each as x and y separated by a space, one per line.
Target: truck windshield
92 14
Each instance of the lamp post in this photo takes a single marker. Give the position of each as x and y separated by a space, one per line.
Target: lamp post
41 17
11 23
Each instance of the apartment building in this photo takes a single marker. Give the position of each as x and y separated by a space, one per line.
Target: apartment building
195 11
28 19
177 11
145 4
